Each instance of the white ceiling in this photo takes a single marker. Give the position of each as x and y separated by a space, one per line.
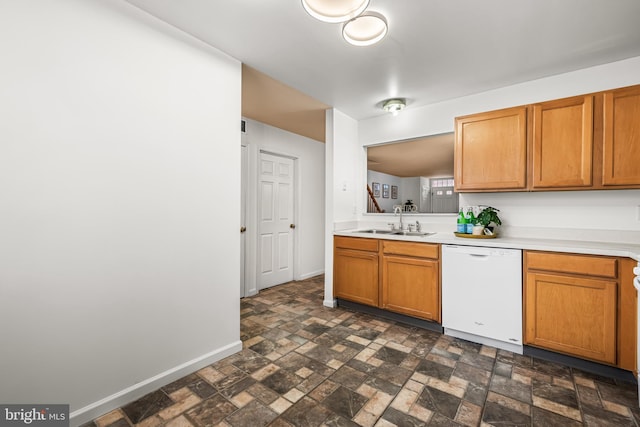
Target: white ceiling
435 49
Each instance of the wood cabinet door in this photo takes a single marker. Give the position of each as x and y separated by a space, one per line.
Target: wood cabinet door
562 143
355 276
621 127
627 316
411 286
491 151
572 315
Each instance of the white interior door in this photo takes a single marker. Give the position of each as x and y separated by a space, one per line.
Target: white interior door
276 220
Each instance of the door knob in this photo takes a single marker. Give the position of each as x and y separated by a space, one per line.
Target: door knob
292 226
243 229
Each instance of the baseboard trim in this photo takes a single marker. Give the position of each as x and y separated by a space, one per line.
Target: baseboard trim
331 303
129 394
310 275
582 364
412 321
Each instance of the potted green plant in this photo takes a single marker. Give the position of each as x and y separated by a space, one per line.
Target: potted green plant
487 217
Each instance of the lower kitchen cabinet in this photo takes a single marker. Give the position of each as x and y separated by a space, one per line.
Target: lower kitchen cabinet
580 305
411 279
355 271
573 315
403 277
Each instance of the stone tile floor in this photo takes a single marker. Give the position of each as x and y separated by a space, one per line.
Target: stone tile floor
307 365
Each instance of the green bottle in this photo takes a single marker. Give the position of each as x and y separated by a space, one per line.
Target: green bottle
462 222
471 221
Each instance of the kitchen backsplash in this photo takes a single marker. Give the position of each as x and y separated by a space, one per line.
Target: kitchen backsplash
603 216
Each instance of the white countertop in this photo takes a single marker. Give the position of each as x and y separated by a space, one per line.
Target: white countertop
553 245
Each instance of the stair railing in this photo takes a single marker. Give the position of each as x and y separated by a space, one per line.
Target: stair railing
372 205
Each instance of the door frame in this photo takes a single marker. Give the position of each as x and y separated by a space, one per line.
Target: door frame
244 190
251 235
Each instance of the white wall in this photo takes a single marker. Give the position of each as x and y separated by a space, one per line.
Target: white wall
384 178
410 190
609 215
310 170
349 171
118 270
438 118
345 191
543 210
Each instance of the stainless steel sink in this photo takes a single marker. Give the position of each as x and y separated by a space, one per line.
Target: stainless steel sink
397 232
412 233
374 231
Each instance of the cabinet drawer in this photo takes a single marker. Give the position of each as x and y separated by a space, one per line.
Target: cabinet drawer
421 250
576 264
360 244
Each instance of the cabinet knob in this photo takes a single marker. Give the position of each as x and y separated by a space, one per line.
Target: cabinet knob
243 229
292 226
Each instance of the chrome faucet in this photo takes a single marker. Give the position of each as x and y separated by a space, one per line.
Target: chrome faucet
396 210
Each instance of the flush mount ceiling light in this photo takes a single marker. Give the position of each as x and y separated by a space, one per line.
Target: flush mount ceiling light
394 105
334 11
366 29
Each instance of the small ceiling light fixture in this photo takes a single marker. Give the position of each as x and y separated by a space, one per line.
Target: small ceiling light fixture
394 105
366 29
334 11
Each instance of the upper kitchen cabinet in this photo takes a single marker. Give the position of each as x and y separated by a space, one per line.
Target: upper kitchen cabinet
491 151
562 144
621 129
587 142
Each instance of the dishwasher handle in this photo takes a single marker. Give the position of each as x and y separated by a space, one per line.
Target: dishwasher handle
479 252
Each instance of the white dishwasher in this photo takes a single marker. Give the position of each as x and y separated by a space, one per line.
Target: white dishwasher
482 295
